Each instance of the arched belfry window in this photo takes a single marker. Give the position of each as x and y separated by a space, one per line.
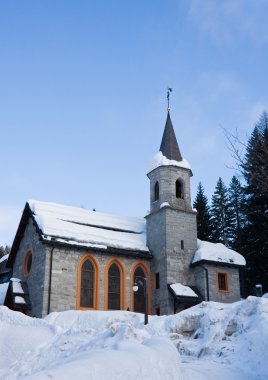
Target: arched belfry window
114 287
179 189
87 283
156 191
139 294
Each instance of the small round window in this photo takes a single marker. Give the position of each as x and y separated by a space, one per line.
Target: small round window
28 260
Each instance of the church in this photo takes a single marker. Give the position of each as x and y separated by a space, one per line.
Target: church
67 258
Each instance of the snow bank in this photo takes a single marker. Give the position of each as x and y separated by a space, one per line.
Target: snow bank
217 252
161 160
223 341
3 292
77 226
92 345
225 334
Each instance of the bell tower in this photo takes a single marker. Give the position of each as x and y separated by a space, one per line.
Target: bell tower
171 223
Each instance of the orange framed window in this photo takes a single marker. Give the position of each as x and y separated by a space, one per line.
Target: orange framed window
114 293
88 283
27 264
139 269
223 282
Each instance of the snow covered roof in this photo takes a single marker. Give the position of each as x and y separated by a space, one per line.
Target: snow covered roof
183 290
161 160
3 258
217 252
80 227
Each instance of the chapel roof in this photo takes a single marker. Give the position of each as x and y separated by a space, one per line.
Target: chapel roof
59 224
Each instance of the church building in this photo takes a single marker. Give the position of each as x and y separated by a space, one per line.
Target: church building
65 258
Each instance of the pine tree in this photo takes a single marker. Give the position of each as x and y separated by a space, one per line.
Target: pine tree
204 228
4 250
256 231
220 214
237 209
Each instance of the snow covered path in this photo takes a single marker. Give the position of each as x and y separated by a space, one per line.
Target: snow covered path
207 342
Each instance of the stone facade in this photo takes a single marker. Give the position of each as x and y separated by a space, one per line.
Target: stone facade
233 292
64 278
36 280
171 232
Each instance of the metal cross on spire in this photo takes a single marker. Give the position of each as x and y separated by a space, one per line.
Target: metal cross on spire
169 90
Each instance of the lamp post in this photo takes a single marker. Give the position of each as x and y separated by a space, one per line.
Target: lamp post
143 282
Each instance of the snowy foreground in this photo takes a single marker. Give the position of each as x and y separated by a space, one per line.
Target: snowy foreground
208 341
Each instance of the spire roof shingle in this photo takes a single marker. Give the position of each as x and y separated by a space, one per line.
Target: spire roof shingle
169 145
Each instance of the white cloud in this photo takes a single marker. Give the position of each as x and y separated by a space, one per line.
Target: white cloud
225 20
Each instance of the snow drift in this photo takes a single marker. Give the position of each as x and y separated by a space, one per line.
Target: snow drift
207 341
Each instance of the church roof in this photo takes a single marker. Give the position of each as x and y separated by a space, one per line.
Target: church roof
169 145
73 226
216 253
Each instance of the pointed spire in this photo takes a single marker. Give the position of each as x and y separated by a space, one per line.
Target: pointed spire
169 146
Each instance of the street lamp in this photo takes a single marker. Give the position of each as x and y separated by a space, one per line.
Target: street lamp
142 281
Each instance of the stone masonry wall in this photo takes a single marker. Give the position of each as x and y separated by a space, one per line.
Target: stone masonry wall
232 295
65 272
36 278
167 177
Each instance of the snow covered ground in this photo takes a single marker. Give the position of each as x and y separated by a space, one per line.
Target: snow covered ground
208 341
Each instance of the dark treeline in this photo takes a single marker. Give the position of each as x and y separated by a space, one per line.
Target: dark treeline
4 250
238 213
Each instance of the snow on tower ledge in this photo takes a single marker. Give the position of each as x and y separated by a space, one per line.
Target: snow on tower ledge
217 252
160 160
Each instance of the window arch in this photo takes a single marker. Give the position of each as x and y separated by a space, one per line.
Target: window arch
88 283
179 189
141 270
114 285
156 191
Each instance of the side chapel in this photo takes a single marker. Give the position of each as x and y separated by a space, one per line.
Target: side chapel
66 258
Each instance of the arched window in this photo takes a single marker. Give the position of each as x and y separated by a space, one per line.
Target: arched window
139 294
156 191
88 283
114 288
179 189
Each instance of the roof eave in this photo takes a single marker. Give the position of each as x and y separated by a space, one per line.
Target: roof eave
220 263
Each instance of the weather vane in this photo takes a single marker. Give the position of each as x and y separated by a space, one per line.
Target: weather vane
169 90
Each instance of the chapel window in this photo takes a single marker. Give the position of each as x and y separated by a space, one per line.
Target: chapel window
223 282
139 294
157 281
114 287
87 285
179 189
156 191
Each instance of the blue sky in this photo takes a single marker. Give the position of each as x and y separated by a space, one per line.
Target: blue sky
83 96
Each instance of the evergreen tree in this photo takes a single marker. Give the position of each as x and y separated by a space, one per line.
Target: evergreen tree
4 250
220 214
237 209
204 228
256 231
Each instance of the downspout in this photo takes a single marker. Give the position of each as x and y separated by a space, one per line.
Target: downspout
50 280
205 269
